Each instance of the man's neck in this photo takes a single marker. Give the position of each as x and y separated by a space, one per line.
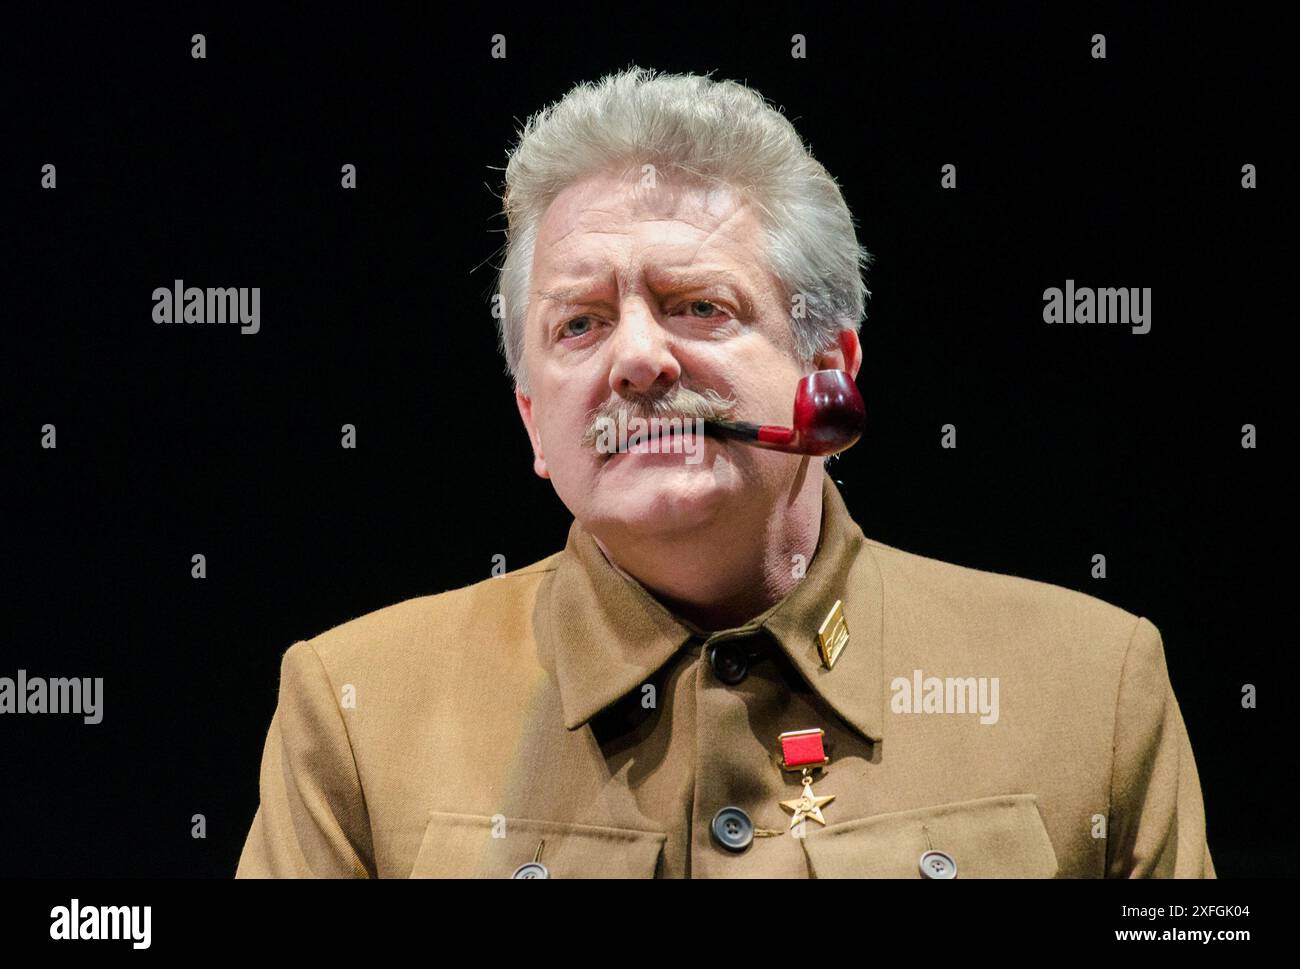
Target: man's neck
725 575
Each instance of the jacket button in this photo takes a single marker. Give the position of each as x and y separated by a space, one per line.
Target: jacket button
531 869
732 829
730 662
937 864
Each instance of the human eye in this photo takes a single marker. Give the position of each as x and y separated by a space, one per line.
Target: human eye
694 306
576 327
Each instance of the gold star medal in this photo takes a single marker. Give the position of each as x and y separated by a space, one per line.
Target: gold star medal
802 750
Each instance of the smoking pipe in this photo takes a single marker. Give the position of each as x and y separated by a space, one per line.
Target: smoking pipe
829 417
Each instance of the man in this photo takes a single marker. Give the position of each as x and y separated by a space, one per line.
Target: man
719 675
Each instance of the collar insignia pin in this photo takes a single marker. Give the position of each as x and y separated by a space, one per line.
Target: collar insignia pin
833 634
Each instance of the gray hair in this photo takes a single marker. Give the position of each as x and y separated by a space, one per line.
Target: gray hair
712 131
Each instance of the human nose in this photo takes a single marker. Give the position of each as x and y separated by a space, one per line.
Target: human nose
642 352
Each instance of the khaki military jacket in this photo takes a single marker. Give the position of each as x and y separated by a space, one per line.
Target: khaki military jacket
561 707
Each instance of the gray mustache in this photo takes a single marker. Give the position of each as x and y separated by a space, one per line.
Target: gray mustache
683 402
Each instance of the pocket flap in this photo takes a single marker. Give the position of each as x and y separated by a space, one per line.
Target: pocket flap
464 846
991 837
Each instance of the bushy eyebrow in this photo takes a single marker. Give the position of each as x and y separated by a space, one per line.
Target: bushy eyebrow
666 280
561 294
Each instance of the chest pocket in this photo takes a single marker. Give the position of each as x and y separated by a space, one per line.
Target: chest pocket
463 846
992 837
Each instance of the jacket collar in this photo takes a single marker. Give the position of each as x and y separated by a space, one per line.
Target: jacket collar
606 635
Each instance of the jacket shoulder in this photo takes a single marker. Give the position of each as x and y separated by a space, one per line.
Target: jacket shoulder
1015 608
496 609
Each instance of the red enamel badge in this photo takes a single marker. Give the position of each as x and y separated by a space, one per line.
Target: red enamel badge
802 748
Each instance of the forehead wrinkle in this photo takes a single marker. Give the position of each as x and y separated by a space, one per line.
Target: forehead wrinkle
586 230
722 228
678 198
697 244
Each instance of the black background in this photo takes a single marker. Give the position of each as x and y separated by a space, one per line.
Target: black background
172 440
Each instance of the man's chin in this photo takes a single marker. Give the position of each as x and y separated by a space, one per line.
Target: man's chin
649 493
